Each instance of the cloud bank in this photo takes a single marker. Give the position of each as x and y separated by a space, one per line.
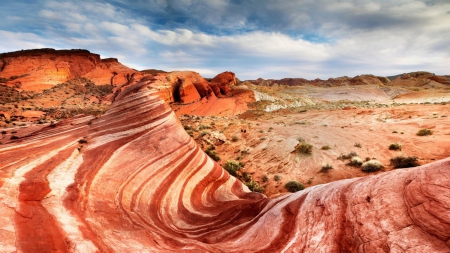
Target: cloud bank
254 38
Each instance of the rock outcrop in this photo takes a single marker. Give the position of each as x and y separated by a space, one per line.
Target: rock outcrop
222 83
133 181
331 82
39 69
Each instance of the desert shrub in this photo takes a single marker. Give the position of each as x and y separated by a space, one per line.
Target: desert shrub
304 148
190 132
326 168
423 132
357 144
404 162
347 156
13 137
325 147
254 186
203 133
395 146
211 152
265 178
232 167
372 166
300 139
277 178
187 127
245 152
234 138
355 161
294 186
202 127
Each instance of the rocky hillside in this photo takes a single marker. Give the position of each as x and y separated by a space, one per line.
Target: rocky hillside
419 78
132 180
44 85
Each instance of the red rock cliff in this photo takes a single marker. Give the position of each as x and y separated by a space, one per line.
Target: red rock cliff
133 181
41 69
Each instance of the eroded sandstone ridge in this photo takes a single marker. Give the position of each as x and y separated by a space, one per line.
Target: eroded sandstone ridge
132 180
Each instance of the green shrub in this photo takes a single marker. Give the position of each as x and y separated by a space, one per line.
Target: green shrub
325 147
355 161
233 167
294 186
326 168
202 127
372 166
347 156
213 154
254 186
203 133
404 162
304 148
395 146
423 132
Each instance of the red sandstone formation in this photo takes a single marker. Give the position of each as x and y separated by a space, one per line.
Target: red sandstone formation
133 181
41 69
222 82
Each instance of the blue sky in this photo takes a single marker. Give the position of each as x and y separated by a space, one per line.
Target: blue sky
253 38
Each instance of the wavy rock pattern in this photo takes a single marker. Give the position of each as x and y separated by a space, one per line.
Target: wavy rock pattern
141 184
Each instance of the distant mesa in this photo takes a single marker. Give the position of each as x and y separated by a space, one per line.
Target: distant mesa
406 79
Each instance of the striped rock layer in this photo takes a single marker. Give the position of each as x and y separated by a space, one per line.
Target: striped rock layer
133 181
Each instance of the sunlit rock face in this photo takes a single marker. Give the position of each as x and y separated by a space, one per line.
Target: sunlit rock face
39 69
132 180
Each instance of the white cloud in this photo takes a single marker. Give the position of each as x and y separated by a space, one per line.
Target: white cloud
354 37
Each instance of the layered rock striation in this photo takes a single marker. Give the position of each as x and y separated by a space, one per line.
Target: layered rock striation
132 180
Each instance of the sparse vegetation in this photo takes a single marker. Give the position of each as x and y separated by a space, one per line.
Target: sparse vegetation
277 178
203 133
355 161
234 138
265 178
395 146
357 144
343 157
233 167
372 166
211 152
294 186
325 147
404 162
304 148
424 132
254 186
326 168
